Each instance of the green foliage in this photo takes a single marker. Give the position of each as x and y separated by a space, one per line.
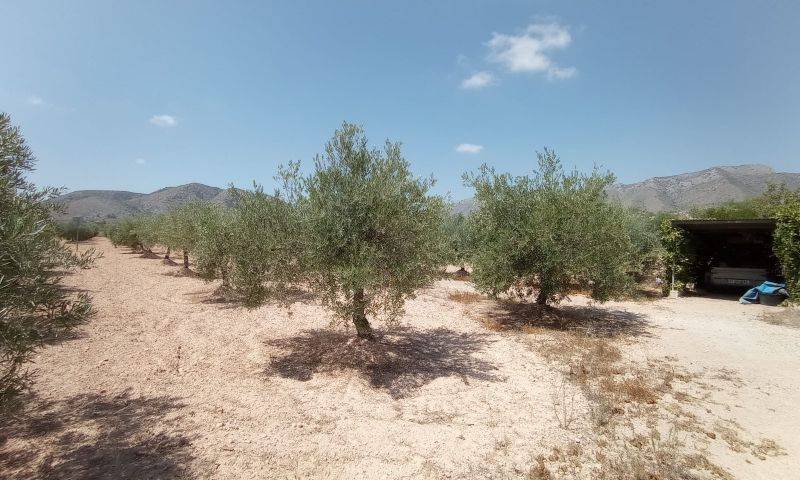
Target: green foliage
371 232
551 231
648 253
215 238
743 210
124 232
77 231
149 230
266 248
34 307
787 240
457 239
179 230
678 254
763 206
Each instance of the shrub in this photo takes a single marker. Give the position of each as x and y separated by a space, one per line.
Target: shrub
787 241
372 233
679 256
551 232
76 231
34 307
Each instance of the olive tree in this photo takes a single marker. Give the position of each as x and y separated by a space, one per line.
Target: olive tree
123 232
215 238
34 306
550 232
149 231
457 239
648 253
179 230
372 231
266 245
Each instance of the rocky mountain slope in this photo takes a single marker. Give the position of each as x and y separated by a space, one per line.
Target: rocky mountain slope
678 192
96 205
704 188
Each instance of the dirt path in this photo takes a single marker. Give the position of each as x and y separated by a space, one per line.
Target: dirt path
163 383
751 369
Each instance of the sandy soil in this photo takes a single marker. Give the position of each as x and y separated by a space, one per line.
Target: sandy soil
165 383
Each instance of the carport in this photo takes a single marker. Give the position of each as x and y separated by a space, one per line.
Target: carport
731 254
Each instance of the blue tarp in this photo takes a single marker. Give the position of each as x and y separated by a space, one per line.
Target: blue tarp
767 288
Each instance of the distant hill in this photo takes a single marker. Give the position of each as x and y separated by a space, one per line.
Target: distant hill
678 192
683 192
96 205
704 188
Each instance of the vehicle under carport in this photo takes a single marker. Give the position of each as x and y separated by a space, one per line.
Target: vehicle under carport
731 254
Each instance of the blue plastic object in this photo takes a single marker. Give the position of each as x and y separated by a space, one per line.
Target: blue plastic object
766 288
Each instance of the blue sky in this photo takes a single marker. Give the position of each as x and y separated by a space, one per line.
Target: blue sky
146 94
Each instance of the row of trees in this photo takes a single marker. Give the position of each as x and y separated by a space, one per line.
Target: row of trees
34 306
365 234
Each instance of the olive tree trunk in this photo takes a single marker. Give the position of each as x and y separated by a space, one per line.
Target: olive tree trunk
542 297
363 329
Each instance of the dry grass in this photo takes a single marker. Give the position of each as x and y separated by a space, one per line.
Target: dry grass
730 432
620 395
788 317
635 389
767 448
465 297
564 406
540 470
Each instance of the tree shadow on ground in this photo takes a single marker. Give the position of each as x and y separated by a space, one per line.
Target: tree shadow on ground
76 290
398 362
95 436
181 273
592 320
227 298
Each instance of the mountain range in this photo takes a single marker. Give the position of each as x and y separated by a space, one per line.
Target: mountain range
712 186
97 205
682 192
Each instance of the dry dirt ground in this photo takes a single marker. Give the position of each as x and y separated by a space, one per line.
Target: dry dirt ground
164 382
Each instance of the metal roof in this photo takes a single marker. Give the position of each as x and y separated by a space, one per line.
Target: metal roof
757 224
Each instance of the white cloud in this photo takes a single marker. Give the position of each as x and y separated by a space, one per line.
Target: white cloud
557 73
530 51
36 101
470 148
478 80
140 161
163 120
